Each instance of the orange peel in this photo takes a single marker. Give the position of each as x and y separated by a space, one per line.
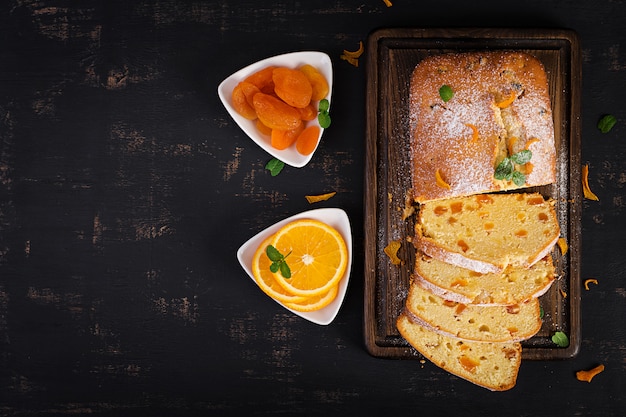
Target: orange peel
590 281
563 246
587 376
391 250
353 56
507 101
319 197
440 181
588 194
474 131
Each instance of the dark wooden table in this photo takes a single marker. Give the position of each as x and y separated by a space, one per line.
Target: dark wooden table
126 190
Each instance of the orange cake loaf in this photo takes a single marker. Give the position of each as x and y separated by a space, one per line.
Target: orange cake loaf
470 111
472 322
511 286
490 365
488 232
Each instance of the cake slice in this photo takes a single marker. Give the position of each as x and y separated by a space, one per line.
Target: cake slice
511 286
471 322
488 232
490 365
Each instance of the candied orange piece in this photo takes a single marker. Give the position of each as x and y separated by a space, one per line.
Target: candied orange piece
587 376
276 114
590 281
317 80
282 139
440 181
241 105
587 193
563 246
320 197
307 140
506 102
474 131
292 86
391 250
262 79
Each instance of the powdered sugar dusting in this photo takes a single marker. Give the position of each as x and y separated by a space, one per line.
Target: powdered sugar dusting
442 132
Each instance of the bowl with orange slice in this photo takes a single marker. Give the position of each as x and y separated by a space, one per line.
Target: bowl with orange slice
303 262
282 103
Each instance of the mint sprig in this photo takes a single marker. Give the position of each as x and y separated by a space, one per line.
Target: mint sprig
323 117
506 169
278 261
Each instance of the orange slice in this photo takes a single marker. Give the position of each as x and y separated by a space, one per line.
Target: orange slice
267 280
315 302
316 254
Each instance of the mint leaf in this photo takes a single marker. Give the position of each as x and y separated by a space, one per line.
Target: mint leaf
284 270
504 170
446 93
323 117
273 254
275 166
606 123
324 120
522 157
519 179
324 105
560 339
278 261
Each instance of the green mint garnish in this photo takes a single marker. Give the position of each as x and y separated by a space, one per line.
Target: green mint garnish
522 157
275 166
606 123
323 117
446 93
519 179
278 261
560 339
324 105
541 312
506 169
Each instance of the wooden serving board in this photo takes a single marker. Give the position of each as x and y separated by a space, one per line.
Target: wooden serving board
392 56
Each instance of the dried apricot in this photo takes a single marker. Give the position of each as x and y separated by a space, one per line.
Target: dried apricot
308 113
262 128
292 86
282 139
318 82
275 113
241 105
307 140
249 90
262 79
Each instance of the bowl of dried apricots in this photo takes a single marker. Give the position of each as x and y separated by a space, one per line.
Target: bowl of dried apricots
282 103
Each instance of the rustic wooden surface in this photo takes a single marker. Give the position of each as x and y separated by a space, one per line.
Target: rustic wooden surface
126 189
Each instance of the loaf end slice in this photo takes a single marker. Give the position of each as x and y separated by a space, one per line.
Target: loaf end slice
494 366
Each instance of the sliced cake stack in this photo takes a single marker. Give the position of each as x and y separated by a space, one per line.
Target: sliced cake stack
482 262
